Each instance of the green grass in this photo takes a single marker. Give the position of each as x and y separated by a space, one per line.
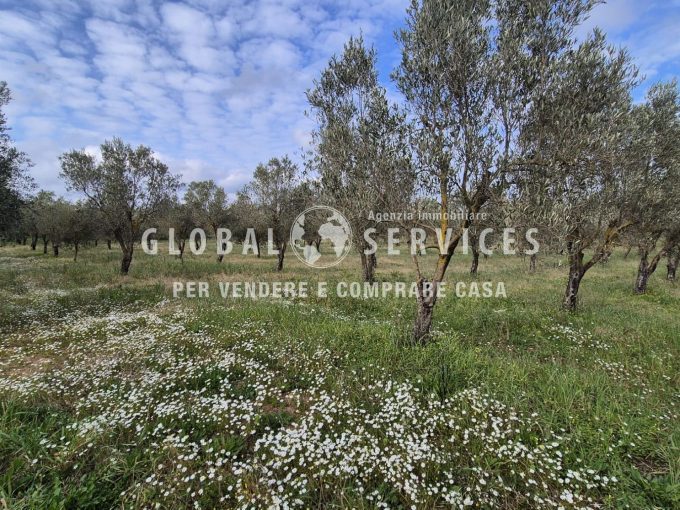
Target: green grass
605 378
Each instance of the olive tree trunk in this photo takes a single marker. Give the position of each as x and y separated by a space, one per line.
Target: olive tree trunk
573 284
423 322
427 297
127 247
181 244
282 253
475 260
672 265
577 268
645 269
126 261
368 265
576 272
220 256
642 274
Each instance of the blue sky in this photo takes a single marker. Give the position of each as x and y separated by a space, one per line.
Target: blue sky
214 87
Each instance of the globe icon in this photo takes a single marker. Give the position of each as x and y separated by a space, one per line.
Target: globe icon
321 236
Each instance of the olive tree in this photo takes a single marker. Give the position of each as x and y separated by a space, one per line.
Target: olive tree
529 205
181 218
41 209
128 186
469 72
308 194
247 217
578 134
673 256
273 192
655 163
32 217
360 154
55 223
208 202
80 225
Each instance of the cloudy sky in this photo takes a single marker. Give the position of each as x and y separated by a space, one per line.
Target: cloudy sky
212 86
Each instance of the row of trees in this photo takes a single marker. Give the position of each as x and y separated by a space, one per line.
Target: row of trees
506 117
264 209
130 190
49 219
506 112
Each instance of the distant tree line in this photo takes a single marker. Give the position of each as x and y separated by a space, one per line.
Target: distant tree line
505 113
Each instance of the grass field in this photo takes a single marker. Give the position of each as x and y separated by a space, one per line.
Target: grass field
114 394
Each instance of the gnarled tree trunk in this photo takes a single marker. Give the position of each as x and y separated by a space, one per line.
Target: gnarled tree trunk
257 243
427 293
573 284
44 240
576 272
34 241
180 246
368 264
127 247
126 261
475 260
532 262
282 252
672 265
423 322
55 249
642 274
577 268
474 246
645 269
220 256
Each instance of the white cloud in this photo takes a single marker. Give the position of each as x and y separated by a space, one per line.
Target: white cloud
647 29
194 32
121 50
275 19
612 17
23 29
